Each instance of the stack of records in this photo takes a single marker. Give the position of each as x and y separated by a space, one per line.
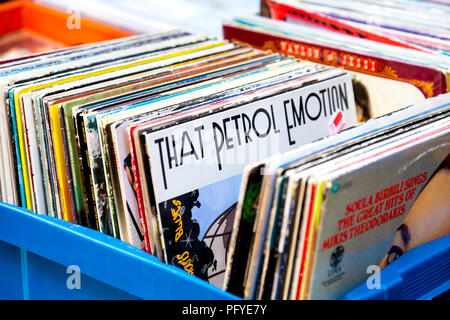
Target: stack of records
145 138
388 72
316 222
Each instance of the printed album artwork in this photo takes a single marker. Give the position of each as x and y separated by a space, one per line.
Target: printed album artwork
277 163
206 217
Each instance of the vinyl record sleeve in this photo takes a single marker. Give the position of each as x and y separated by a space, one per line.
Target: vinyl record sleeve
121 154
160 200
241 238
271 253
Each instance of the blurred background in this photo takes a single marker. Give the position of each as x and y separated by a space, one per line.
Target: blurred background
29 27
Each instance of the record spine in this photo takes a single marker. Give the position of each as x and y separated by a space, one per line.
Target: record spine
139 190
75 212
93 218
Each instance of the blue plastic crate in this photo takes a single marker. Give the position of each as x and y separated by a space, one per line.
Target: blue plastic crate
36 251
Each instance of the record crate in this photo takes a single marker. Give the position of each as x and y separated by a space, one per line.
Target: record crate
40 255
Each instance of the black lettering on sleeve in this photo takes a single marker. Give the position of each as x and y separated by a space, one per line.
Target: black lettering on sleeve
198 130
191 145
246 129
308 106
158 142
335 98
228 141
259 134
322 93
169 155
289 127
300 114
236 124
218 145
